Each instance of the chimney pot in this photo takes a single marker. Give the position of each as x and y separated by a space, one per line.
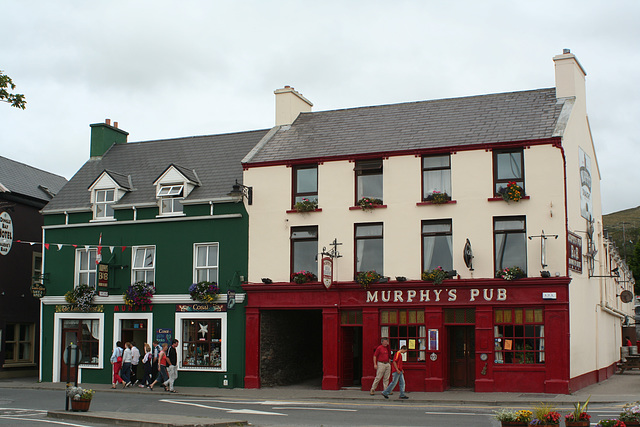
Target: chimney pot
566 51
108 121
115 125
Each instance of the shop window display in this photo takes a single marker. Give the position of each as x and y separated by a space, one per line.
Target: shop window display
519 336
405 327
202 342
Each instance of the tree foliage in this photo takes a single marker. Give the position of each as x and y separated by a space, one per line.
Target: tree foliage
634 265
15 99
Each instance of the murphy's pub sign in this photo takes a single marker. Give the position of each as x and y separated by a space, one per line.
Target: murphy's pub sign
437 295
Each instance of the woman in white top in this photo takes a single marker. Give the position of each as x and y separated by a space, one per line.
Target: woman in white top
127 357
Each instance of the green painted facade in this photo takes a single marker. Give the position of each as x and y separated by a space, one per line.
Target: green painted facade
174 239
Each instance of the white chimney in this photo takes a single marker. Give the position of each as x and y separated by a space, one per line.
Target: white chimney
289 104
570 76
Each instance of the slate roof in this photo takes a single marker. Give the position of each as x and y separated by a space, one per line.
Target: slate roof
484 119
215 159
28 181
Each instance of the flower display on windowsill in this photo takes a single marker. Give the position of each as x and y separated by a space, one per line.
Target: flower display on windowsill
81 297
369 203
438 198
303 276
631 413
79 393
366 278
306 205
204 291
437 275
512 192
545 414
510 273
139 294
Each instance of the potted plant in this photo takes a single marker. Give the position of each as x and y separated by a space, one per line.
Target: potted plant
368 203
512 418
545 415
611 423
303 276
510 273
631 414
80 398
512 192
437 275
139 294
365 278
81 297
579 416
306 205
438 198
204 291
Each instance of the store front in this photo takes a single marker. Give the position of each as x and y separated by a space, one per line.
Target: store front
485 335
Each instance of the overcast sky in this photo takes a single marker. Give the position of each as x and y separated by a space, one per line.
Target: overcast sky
166 69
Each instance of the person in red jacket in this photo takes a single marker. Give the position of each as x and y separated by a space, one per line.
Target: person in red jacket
398 374
381 365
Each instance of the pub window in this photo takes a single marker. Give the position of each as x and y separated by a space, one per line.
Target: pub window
206 262
510 243
508 166
19 343
87 335
36 268
437 248
304 249
351 317
405 327
519 336
144 260
369 248
369 179
203 345
305 183
436 176
86 267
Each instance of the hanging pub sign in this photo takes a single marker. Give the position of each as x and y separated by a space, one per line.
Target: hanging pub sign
574 252
6 233
327 272
38 290
231 299
103 279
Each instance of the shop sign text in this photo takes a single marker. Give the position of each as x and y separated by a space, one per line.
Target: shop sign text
6 233
437 295
180 308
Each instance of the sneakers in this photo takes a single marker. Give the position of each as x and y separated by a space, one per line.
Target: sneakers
404 397
372 392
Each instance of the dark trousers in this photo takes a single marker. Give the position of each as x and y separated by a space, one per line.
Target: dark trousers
148 378
134 373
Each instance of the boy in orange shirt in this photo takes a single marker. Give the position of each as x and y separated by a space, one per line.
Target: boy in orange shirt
398 374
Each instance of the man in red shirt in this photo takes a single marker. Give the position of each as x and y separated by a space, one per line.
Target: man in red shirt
398 374
381 365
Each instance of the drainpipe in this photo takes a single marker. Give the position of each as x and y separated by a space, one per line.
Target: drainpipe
135 213
66 218
211 207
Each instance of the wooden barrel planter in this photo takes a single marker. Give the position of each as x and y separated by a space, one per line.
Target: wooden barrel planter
81 405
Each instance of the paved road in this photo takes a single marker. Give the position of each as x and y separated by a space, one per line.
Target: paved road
25 407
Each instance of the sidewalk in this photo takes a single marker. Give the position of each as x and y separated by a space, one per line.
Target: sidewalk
619 389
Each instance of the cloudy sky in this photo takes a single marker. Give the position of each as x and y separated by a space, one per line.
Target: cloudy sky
166 69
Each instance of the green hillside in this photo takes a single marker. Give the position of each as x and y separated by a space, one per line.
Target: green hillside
623 227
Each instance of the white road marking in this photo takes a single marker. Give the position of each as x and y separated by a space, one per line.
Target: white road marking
228 410
315 409
43 421
457 413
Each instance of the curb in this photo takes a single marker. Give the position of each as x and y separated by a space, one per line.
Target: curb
143 420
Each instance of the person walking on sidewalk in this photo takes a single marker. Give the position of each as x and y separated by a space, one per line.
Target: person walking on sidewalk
135 360
126 365
156 349
116 361
146 363
162 368
381 365
398 374
172 365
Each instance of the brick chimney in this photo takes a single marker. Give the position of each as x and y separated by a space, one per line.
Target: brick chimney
289 104
570 76
103 136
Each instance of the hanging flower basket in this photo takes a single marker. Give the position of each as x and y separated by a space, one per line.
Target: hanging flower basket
303 276
366 278
81 297
513 192
437 275
510 273
139 294
306 205
438 198
369 203
204 291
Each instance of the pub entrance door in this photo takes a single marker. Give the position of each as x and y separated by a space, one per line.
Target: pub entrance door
461 356
351 355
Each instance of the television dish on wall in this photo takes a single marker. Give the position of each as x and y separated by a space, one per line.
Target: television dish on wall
626 296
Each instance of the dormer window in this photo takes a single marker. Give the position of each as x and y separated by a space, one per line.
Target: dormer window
103 206
170 199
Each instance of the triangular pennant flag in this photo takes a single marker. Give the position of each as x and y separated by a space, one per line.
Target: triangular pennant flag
123 248
32 243
86 247
111 249
46 246
75 246
59 246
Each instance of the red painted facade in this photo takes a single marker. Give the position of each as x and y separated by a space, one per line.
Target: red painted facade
432 375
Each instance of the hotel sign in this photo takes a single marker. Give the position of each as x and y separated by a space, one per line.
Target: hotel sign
574 252
6 233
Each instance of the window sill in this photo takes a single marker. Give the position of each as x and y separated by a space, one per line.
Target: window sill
500 199
304 212
108 219
425 203
360 208
200 368
170 215
19 365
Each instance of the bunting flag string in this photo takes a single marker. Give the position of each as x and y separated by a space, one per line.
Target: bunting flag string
47 246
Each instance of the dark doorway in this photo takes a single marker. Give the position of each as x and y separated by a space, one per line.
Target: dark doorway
351 356
134 330
70 336
461 356
291 347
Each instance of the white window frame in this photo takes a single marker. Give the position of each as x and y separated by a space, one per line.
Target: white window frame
223 346
57 342
107 204
170 199
79 271
208 266
135 269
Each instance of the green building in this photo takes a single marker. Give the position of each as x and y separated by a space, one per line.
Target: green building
158 212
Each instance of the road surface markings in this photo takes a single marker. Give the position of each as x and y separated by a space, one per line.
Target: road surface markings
315 409
228 410
457 413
